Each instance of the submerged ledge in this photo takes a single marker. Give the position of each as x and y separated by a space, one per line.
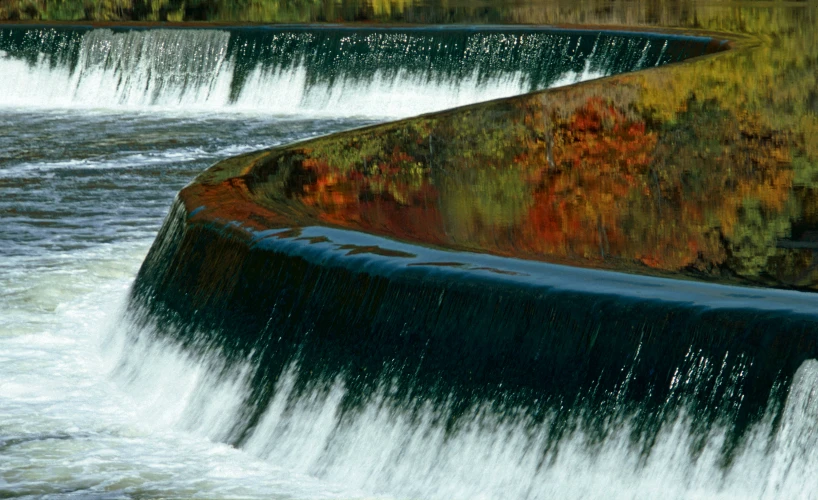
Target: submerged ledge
378 256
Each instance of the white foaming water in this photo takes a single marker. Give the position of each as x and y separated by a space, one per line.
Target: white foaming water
83 194
402 95
133 70
383 451
66 431
177 71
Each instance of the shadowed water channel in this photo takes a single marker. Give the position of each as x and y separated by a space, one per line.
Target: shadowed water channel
100 398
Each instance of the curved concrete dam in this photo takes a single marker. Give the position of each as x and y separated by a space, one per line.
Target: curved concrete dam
551 295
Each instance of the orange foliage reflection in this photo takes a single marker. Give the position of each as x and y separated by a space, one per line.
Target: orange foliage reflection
585 180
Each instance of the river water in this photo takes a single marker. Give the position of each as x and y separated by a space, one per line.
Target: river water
83 196
86 178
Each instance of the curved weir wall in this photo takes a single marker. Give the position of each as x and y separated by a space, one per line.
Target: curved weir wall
328 72
416 370
558 348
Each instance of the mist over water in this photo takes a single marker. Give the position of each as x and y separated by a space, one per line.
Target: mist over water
98 399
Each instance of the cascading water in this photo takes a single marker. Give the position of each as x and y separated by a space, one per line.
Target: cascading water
436 388
112 393
330 72
495 453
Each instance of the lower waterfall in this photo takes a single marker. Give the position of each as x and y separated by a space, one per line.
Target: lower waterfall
418 386
493 451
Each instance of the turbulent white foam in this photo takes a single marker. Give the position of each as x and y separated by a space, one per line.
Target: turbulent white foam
491 458
404 94
172 71
82 202
67 431
381 451
135 70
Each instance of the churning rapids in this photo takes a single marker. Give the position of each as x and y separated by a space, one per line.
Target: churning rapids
101 128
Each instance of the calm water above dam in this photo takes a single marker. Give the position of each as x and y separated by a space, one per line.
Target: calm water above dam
103 127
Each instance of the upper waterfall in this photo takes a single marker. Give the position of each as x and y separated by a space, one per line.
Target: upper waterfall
328 72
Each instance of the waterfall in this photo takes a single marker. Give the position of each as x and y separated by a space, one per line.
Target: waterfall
349 370
324 72
494 452
495 378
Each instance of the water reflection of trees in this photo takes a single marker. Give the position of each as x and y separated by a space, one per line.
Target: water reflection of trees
582 175
708 168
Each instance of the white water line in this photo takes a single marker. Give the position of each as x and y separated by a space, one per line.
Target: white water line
384 451
192 72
